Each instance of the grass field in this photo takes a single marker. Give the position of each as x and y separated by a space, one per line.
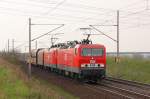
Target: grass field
14 84
136 69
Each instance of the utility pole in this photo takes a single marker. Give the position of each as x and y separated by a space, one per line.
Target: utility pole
13 45
8 45
52 40
29 66
36 44
117 59
30 40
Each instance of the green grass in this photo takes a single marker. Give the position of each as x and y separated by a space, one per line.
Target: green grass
11 87
59 90
135 69
15 85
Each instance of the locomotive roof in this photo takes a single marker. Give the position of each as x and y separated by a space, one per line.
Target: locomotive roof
89 45
72 44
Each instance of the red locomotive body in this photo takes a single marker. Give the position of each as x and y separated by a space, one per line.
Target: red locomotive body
50 57
85 61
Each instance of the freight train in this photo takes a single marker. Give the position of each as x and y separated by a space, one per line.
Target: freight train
82 60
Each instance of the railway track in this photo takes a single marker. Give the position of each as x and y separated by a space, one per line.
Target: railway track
128 82
122 89
109 93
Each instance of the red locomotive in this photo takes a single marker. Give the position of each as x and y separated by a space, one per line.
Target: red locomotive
82 60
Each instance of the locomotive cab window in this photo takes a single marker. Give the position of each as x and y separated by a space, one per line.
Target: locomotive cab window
92 51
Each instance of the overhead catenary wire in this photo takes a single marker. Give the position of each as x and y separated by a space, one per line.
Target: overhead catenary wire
135 26
86 9
20 45
84 6
103 33
87 18
134 13
56 16
128 15
67 5
26 3
38 37
94 9
59 4
131 4
48 32
87 6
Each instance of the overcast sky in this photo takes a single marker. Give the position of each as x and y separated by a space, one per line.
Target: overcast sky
76 14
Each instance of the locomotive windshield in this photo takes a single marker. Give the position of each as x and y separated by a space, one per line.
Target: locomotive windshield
92 51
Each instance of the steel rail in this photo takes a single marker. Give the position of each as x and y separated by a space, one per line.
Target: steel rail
103 89
143 96
128 82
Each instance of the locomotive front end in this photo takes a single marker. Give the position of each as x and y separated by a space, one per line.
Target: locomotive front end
92 62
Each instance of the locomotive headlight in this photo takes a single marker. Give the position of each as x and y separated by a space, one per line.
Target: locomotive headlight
102 65
82 65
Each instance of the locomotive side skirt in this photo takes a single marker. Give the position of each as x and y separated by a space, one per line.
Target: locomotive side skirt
51 65
69 68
